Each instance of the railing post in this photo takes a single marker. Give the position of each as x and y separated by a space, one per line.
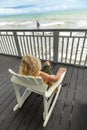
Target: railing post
85 61
17 43
55 46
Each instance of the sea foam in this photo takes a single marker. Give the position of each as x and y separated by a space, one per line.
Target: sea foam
6 23
52 24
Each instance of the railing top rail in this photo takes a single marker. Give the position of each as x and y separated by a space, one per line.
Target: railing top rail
62 30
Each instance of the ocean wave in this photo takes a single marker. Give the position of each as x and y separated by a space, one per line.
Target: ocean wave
82 23
25 23
6 23
29 23
52 23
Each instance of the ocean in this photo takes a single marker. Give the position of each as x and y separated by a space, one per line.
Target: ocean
48 20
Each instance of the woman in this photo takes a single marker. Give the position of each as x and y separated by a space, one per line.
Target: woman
32 66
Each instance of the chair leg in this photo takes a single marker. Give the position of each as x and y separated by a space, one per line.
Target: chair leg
16 107
51 108
45 108
20 99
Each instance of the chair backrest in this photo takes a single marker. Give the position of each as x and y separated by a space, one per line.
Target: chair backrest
32 83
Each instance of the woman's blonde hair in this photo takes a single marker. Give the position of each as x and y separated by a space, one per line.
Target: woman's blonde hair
30 66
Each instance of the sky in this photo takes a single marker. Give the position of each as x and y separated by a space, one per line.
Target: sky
11 7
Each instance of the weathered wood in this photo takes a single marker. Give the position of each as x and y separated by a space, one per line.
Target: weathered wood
69 113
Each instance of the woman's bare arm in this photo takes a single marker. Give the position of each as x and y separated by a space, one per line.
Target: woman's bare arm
52 78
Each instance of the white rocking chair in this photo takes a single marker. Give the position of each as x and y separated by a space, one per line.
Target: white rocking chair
36 85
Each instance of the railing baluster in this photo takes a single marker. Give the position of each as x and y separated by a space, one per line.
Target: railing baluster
37 43
41 47
82 49
31 45
27 42
67 47
62 49
50 49
9 44
16 42
71 51
77 50
2 45
85 63
24 43
7 49
34 45
38 47
21 44
45 47
13 46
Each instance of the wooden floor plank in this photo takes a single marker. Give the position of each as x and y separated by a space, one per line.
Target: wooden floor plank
69 112
27 112
79 116
13 116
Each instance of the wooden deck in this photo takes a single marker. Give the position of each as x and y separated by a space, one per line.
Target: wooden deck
70 112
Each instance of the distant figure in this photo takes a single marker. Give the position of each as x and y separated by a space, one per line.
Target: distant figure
38 24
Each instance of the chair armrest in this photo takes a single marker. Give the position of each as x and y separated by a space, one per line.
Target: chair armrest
11 71
49 92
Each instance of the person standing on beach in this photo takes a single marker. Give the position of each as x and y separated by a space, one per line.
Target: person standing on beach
38 24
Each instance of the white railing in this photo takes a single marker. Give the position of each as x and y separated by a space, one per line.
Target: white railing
65 46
